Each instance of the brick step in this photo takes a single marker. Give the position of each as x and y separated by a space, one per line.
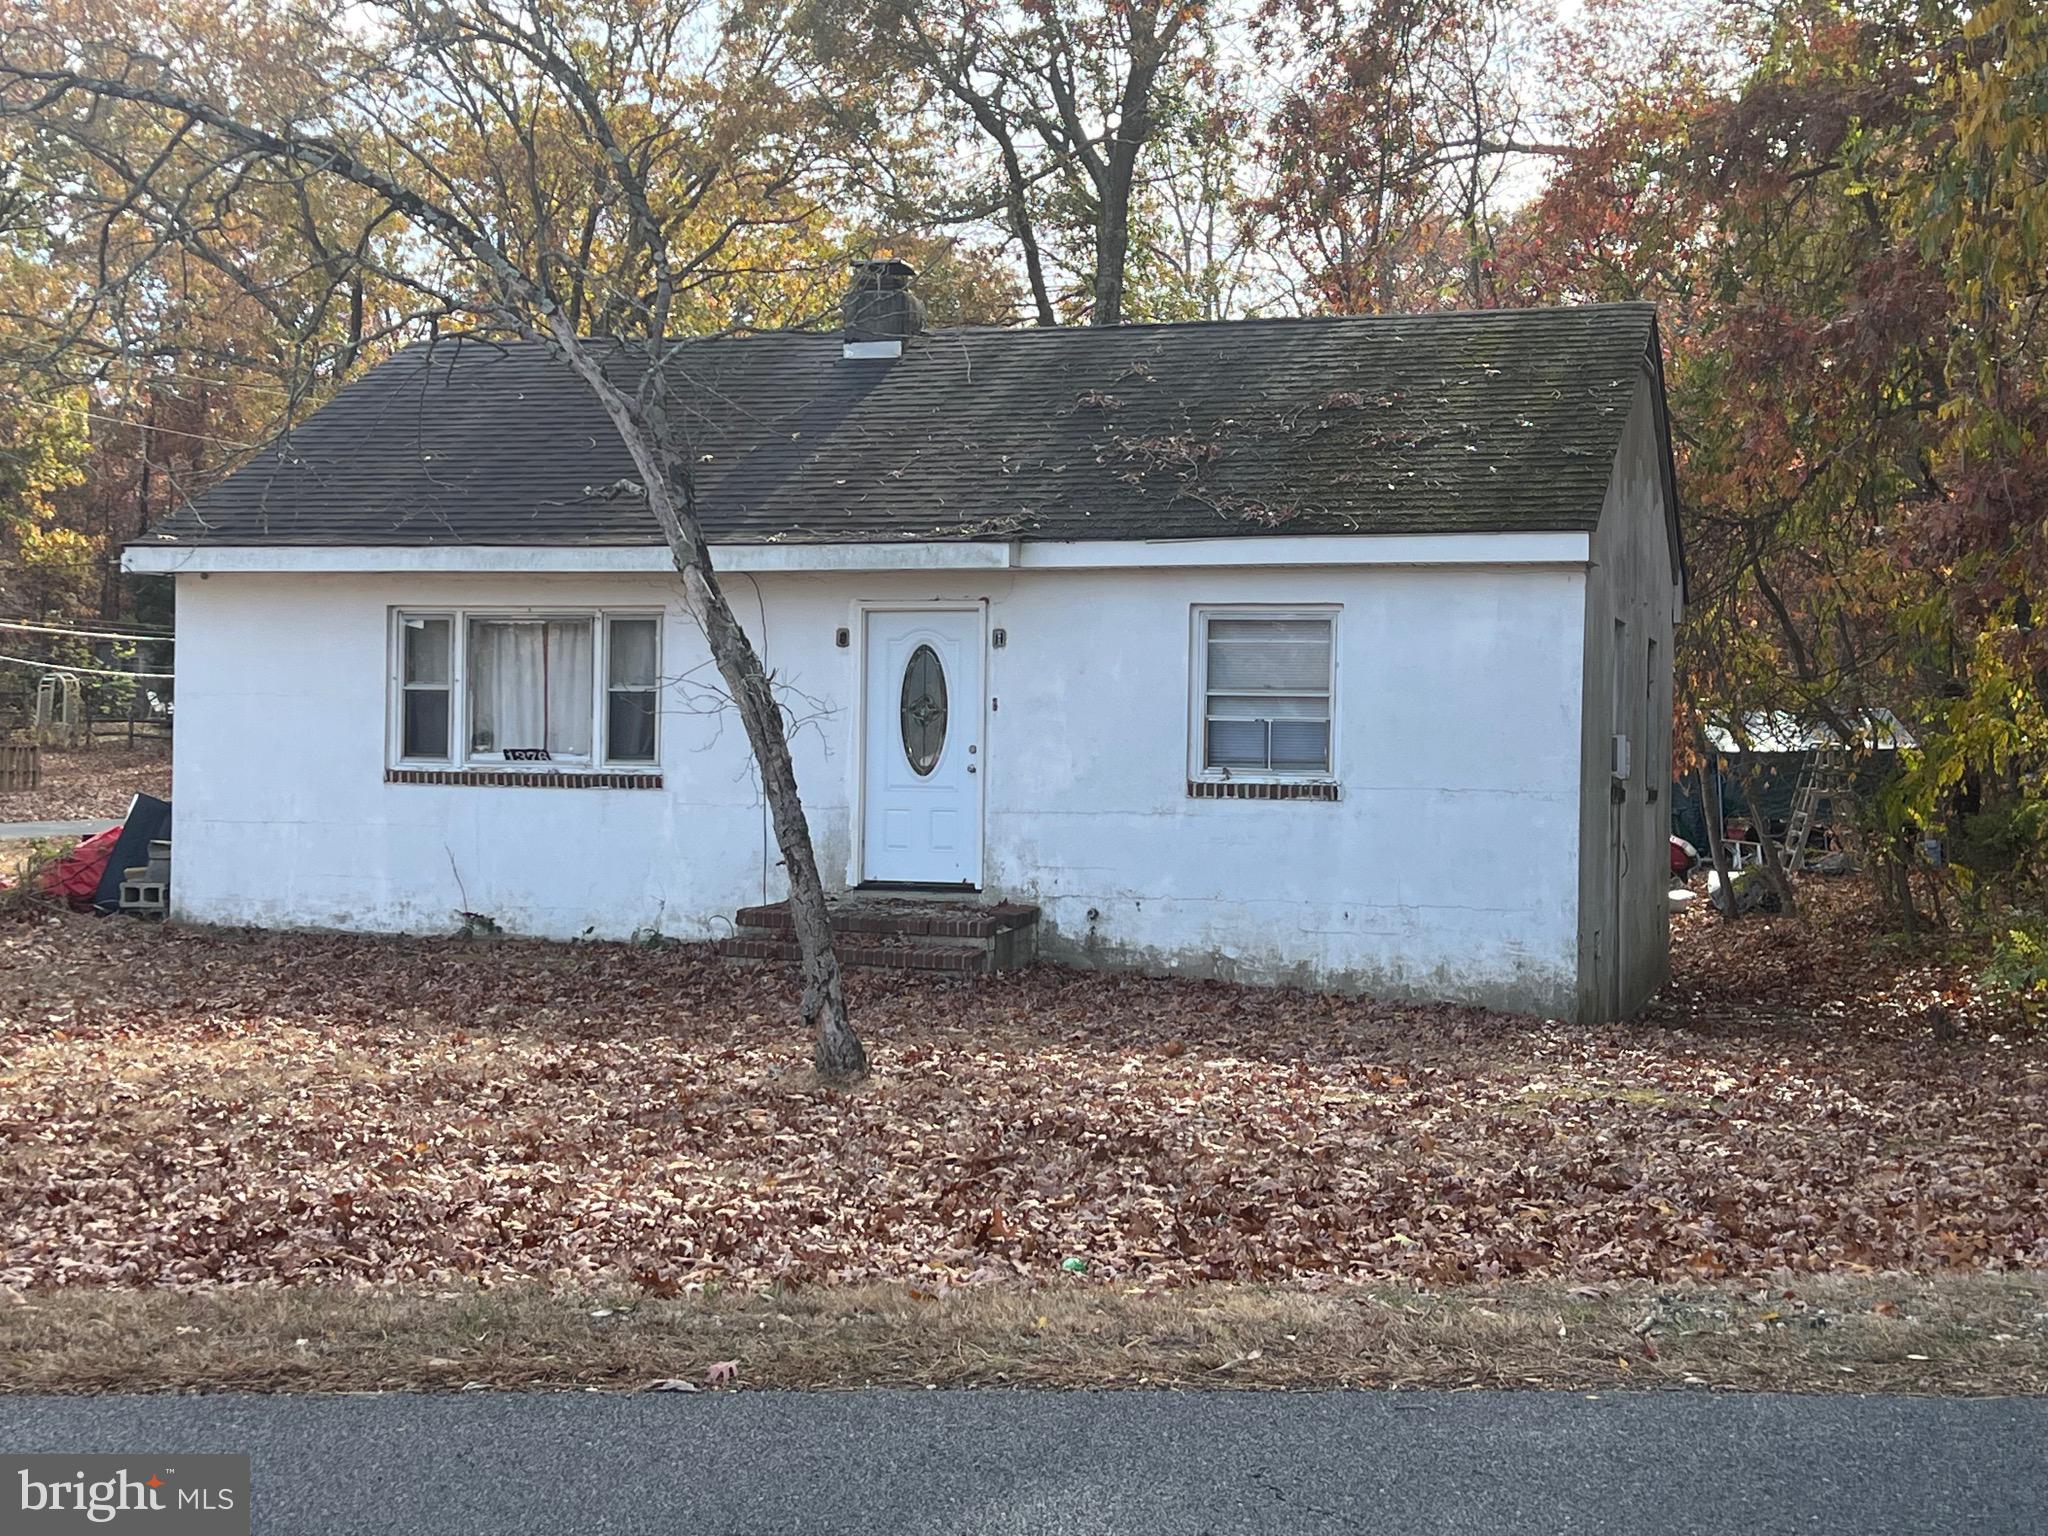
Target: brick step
950 957
900 919
898 934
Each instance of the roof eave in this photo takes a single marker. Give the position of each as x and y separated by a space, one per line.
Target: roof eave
1566 547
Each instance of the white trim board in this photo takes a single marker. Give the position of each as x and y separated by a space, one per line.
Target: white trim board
1342 549
1313 549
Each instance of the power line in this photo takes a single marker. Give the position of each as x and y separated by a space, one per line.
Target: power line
143 380
142 426
51 666
81 563
144 636
127 381
312 377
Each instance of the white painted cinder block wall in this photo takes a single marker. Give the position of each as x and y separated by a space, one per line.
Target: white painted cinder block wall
1447 870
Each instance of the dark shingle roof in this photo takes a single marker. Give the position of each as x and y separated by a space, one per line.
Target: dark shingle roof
1462 422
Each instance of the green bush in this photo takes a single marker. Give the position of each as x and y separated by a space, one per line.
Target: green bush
2018 968
2002 844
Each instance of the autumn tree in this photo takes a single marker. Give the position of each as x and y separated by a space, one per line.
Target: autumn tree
1398 123
1064 98
178 375
472 129
50 568
170 367
1839 214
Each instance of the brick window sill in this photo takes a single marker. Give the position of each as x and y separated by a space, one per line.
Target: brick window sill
1262 789
526 778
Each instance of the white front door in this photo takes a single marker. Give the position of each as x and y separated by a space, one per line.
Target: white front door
923 764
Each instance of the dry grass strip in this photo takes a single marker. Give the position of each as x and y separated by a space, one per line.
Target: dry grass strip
1961 1334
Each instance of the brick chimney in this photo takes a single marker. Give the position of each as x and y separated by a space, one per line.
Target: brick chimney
880 311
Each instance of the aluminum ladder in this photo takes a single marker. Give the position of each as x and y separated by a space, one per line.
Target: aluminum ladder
1825 779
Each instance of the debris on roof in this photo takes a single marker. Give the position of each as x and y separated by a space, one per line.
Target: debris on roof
1456 422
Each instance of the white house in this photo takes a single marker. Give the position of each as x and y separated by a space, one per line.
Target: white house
1333 652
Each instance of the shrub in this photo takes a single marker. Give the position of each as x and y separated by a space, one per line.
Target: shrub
2018 968
2003 844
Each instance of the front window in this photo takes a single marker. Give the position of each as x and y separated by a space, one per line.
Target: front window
1264 687
576 690
530 689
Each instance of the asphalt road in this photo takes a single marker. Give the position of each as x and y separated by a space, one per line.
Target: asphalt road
17 831
906 1462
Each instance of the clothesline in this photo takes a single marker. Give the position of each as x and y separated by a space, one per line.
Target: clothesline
141 637
51 666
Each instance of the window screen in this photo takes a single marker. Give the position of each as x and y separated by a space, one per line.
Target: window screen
632 682
1266 705
424 705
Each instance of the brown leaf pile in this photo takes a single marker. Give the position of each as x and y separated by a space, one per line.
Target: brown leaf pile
91 786
193 1108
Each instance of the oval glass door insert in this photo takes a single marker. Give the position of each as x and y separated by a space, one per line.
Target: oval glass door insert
924 709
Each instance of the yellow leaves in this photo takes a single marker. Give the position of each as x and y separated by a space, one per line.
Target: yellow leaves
43 447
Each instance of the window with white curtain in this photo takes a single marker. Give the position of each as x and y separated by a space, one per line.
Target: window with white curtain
575 689
530 688
1264 688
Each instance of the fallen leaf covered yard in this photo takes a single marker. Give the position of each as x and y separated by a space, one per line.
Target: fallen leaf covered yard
191 1109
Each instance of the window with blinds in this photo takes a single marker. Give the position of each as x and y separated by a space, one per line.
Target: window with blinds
1264 686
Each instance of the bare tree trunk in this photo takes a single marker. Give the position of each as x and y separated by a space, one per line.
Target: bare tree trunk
671 494
1020 224
1909 915
1112 251
1717 846
1934 895
837 1051
1773 866
651 437
1112 169
1117 176
1016 189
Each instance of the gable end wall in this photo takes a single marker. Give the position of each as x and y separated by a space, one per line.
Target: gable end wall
1624 919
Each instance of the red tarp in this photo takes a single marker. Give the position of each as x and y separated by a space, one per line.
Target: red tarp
75 878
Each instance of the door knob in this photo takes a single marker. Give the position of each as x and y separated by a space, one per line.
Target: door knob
970 767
